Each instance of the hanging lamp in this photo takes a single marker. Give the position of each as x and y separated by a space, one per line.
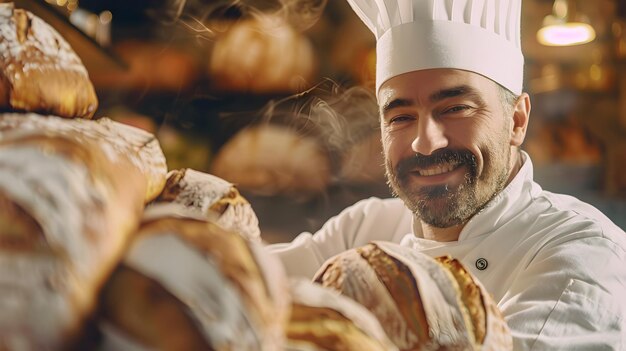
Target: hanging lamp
565 26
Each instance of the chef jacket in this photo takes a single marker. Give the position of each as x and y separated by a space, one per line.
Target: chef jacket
555 265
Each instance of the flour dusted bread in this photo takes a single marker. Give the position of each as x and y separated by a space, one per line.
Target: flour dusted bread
421 302
117 140
187 284
322 319
39 71
68 203
212 197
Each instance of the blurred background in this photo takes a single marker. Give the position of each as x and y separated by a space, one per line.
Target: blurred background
277 95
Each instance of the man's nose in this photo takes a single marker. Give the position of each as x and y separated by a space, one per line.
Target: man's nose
430 136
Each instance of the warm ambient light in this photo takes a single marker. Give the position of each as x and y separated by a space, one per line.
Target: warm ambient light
571 33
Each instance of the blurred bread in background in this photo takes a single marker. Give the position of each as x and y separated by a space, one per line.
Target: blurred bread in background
273 160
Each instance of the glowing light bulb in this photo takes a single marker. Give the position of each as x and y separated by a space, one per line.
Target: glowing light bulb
565 34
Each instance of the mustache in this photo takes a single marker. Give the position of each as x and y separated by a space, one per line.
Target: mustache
408 164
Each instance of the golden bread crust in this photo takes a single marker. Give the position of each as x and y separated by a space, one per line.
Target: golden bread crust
401 285
239 266
213 198
148 313
438 300
212 276
19 231
327 329
322 319
470 294
84 201
39 71
118 142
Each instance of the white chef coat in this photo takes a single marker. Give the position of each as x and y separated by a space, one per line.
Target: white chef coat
555 265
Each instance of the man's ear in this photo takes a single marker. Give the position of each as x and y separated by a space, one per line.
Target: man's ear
521 115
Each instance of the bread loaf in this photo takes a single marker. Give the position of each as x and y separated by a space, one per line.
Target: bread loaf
117 140
421 302
68 202
213 198
187 284
322 319
274 160
39 71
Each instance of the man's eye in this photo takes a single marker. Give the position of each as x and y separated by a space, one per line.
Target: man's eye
400 119
457 108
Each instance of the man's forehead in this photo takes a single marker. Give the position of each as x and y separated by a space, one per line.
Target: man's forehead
431 83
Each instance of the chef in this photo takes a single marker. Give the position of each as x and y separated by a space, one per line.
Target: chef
453 117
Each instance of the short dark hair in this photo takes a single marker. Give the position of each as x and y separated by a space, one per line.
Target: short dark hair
507 98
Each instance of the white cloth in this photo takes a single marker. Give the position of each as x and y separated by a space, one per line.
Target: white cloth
556 266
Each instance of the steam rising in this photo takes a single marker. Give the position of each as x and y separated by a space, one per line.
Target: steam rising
196 15
301 144
302 14
339 117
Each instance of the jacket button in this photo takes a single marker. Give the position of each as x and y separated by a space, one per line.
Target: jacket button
481 264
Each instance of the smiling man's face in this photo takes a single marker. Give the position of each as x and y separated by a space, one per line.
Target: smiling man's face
447 140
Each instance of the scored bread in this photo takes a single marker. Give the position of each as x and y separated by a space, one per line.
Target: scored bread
422 303
39 71
117 140
322 319
490 329
226 292
212 197
68 203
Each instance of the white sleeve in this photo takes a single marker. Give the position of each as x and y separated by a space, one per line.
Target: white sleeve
570 297
367 220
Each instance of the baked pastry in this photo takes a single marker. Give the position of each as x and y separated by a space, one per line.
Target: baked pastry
280 58
421 302
68 203
187 284
211 197
39 71
274 160
322 319
137 146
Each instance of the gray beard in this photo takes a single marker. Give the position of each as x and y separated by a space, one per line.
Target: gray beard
441 206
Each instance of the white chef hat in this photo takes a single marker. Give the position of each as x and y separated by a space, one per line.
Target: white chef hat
482 36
